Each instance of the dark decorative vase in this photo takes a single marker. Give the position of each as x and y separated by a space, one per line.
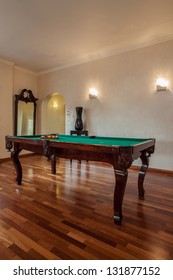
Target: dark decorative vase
79 123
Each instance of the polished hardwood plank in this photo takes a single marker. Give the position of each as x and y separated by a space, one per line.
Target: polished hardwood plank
70 215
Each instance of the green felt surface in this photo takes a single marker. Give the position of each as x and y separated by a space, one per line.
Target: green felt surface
98 140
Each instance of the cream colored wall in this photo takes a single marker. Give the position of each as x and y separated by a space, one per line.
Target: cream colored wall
24 79
6 88
128 104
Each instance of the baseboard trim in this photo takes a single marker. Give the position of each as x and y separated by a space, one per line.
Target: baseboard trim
9 158
154 170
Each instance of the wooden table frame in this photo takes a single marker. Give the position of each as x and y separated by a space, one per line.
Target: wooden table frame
119 157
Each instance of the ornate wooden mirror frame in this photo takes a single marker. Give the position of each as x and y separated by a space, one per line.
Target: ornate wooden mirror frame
25 96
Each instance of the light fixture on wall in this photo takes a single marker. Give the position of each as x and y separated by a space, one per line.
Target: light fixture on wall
93 93
162 84
54 106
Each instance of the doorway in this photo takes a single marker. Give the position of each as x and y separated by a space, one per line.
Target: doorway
53 114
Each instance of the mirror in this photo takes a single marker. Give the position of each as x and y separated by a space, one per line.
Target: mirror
25 113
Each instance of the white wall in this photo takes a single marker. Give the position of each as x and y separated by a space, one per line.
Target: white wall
128 104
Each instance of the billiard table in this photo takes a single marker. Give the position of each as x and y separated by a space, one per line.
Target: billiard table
119 152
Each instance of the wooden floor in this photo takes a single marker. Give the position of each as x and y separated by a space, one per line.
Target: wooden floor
70 215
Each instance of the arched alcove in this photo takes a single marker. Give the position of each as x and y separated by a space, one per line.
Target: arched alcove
53 114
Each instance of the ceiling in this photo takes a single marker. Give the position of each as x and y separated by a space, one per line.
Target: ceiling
45 34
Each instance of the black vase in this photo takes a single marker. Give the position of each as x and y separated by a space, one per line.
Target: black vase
79 123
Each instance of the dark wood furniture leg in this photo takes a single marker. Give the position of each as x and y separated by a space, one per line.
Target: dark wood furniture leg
17 165
142 173
120 185
53 163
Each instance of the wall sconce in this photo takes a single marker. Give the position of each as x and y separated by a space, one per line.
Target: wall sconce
54 106
93 93
162 84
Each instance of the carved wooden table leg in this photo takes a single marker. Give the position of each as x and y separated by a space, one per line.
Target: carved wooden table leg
120 184
17 165
50 153
53 163
142 173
